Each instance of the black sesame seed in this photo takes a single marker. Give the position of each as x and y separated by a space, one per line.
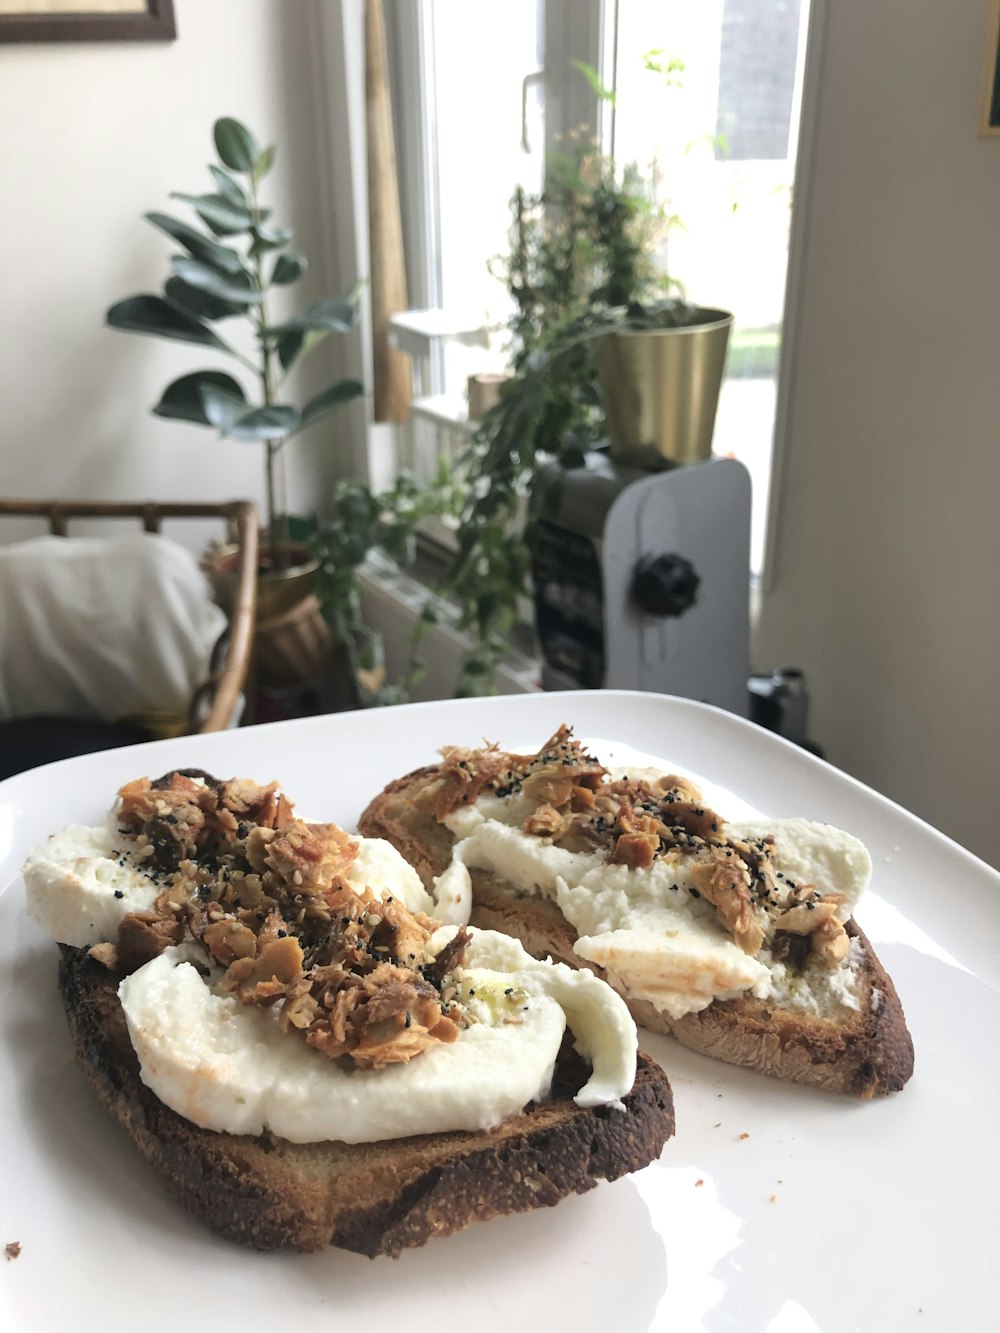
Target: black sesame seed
119 894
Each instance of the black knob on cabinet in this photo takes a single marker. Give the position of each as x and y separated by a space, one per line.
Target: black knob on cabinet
664 585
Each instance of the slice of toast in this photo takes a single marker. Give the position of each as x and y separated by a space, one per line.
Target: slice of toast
375 1199
867 1052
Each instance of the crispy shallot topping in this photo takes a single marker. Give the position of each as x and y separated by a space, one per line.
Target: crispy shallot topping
355 995
548 822
636 821
461 778
265 894
814 915
142 936
180 817
308 857
723 881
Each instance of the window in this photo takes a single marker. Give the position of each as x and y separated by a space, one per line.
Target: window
703 95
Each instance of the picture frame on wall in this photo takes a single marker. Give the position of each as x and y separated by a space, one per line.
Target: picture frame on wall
989 111
87 21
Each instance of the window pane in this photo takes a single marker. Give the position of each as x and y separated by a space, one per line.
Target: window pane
482 54
707 104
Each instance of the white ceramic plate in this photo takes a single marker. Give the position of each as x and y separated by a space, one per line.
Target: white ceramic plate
775 1208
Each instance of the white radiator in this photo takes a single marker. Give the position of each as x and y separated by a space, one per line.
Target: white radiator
392 602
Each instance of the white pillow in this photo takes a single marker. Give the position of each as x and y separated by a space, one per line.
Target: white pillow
102 627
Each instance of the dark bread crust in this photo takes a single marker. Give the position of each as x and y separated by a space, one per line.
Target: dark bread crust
375 1199
867 1054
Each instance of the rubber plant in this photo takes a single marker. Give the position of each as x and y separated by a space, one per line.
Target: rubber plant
225 271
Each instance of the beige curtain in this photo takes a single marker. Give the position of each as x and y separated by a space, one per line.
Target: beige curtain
392 387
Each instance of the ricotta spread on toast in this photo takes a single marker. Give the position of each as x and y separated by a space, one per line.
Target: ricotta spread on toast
678 905
282 976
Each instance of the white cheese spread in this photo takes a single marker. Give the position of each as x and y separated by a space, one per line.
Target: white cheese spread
226 1066
657 939
82 881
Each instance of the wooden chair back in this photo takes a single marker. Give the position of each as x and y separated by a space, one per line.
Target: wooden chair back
215 700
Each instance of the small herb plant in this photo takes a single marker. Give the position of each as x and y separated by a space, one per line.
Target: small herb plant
226 270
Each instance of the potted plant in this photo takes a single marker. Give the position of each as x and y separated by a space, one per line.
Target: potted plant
225 270
603 343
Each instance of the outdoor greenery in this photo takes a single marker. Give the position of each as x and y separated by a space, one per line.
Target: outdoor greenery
225 271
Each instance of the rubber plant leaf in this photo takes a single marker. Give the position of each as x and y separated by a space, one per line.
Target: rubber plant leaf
201 304
236 146
288 268
156 316
235 288
337 315
222 217
296 346
206 397
264 423
228 187
264 163
335 396
221 257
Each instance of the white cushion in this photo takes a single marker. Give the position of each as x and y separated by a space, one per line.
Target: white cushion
102 627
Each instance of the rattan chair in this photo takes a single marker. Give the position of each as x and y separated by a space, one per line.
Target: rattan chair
215 702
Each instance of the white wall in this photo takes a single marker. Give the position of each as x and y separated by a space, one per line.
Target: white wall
91 137
887 543
887 536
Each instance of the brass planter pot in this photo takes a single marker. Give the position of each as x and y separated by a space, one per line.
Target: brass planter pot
661 389
278 590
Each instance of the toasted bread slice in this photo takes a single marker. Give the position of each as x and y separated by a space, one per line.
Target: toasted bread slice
867 1052
376 1199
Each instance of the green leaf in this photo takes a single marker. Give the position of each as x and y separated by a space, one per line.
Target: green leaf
229 189
224 404
224 218
602 93
336 315
269 238
264 423
264 163
207 397
288 268
206 279
179 292
236 146
222 257
335 396
154 315
296 346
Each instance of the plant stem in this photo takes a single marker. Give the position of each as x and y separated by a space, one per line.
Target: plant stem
266 371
